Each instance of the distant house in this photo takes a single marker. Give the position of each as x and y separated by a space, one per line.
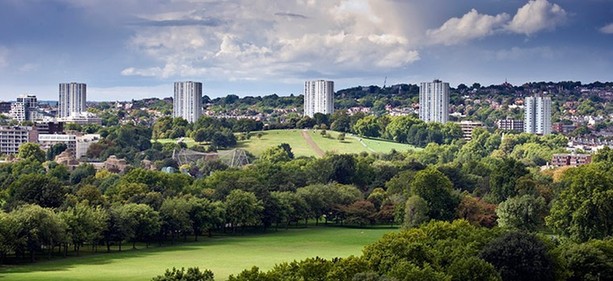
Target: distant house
574 160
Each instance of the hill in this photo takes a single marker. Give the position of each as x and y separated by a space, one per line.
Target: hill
312 143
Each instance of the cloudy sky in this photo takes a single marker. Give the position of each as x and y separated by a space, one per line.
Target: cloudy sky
126 49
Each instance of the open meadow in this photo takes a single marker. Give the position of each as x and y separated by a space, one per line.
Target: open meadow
300 146
224 255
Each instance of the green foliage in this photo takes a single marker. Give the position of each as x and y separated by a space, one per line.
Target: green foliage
37 189
473 269
84 224
55 150
37 227
416 212
520 256
31 151
436 189
585 206
192 274
504 178
243 208
587 261
525 212
137 222
175 217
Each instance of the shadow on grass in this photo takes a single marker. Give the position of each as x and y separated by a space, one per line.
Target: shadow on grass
59 263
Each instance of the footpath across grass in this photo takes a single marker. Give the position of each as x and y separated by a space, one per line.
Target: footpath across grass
351 144
224 255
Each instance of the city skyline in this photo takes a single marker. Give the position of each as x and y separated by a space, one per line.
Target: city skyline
132 49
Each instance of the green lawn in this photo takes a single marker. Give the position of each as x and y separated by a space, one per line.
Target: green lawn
222 255
188 141
294 138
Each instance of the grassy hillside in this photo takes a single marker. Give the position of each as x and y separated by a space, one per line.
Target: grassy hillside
300 147
222 255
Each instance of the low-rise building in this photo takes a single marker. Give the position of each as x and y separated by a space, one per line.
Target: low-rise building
11 137
574 160
510 125
46 141
468 127
84 142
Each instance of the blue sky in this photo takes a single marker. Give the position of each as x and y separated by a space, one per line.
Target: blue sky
131 49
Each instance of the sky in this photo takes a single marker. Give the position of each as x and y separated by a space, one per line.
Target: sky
133 49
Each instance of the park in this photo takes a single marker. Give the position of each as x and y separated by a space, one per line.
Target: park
224 255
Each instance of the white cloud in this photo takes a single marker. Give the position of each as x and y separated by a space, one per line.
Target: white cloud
470 26
537 15
607 29
258 40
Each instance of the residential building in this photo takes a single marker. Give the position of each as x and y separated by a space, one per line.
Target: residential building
25 108
83 144
515 125
11 137
50 127
72 99
46 141
318 97
187 102
537 115
434 101
81 118
563 128
574 160
468 127
5 106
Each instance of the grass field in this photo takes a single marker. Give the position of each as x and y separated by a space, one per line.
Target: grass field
222 255
351 144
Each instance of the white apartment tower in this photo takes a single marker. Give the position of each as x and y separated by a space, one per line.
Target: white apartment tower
318 97
72 99
537 115
434 101
187 102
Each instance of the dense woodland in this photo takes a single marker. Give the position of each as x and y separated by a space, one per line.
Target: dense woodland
491 188
469 210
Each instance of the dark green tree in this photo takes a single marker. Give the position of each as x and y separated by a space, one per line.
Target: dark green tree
520 256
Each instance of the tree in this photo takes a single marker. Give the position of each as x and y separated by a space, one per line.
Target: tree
275 154
585 206
174 214
587 261
416 212
84 224
473 269
243 208
368 127
436 189
520 256
38 189
522 212
55 150
360 212
37 227
192 274
504 177
8 235
201 216
476 211
30 150
138 221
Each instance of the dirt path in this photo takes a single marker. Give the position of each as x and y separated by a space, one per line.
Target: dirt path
311 143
